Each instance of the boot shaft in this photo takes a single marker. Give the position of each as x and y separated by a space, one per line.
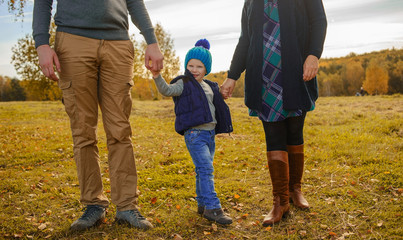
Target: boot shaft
279 174
296 166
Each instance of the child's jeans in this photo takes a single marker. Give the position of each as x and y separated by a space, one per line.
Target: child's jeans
201 146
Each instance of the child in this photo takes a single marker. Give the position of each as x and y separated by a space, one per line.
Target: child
200 114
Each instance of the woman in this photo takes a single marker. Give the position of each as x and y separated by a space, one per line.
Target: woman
279 47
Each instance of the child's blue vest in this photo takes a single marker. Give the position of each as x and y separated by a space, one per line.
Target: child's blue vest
192 109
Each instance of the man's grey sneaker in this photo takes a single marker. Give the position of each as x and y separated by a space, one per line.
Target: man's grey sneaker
133 218
217 215
200 210
93 216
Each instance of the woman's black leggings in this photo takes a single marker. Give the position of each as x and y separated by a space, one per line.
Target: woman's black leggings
283 133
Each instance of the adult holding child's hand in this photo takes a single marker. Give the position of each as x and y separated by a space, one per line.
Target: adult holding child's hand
279 47
227 88
154 58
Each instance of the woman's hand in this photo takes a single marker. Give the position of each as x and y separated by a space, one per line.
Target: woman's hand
311 67
227 88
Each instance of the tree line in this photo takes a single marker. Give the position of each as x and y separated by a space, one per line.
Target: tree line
371 73
376 73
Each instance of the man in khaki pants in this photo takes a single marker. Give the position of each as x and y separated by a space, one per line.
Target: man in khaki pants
94 58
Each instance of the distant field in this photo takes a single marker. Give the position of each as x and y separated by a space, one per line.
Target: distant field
353 178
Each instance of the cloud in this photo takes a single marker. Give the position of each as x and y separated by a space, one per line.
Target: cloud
348 10
361 37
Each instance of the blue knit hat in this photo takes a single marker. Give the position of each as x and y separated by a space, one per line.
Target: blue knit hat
200 52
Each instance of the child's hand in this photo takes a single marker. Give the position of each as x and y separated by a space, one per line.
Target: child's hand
155 73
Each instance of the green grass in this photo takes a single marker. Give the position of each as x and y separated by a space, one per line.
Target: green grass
353 175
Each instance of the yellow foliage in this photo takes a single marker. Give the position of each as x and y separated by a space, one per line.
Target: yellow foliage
376 79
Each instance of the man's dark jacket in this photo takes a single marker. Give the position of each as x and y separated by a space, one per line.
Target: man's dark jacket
192 108
302 32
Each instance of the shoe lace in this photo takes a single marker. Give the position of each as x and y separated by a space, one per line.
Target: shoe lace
89 212
137 214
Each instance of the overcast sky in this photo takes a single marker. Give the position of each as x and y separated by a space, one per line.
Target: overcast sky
353 26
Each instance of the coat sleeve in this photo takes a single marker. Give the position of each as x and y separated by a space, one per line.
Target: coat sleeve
318 25
238 63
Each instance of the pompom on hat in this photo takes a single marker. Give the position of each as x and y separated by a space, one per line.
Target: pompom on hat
200 52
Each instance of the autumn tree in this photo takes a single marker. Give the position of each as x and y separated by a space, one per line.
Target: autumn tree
11 90
15 6
4 88
330 84
26 64
376 78
353 76
396 77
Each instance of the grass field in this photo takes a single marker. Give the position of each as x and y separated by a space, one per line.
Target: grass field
353 177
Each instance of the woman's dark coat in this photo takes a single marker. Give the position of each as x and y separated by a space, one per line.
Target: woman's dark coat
302 31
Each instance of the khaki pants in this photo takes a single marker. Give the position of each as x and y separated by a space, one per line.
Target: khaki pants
99 72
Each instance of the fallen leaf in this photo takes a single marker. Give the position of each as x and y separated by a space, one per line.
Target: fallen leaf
379 224
268 229
332 234
214 227
178 207
236 196
153 200
302 233
42 226
206 233
177 237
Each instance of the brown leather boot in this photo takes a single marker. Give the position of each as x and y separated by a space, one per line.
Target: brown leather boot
278 167
296 166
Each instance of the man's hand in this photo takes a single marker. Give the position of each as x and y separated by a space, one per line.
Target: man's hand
154 58
311 67
227 88
47 58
